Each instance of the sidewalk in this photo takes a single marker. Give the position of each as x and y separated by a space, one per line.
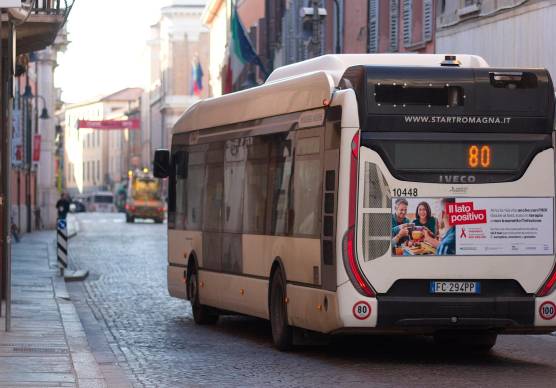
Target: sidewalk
47 346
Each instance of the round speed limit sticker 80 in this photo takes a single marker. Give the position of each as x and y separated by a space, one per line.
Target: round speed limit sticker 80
361 310
547 310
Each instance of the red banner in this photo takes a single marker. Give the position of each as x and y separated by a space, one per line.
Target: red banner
36 148
110 124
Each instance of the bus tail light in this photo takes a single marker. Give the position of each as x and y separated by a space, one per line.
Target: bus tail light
548 286
351 263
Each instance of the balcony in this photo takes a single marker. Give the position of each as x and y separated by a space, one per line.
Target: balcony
37 23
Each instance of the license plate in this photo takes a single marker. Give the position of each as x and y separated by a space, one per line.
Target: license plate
448 287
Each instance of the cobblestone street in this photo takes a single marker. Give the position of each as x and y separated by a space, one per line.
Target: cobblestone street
129 317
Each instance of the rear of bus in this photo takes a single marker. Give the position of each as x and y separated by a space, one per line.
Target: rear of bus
461 160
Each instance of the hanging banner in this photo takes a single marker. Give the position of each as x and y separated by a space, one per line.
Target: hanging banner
36 148
473 226
17 138
110 124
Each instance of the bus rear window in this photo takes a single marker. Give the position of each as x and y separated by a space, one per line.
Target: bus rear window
103 199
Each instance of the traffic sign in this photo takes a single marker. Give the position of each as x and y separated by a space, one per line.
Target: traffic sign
547 310
361 310
62 224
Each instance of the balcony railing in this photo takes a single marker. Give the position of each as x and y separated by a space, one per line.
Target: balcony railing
46 7
37 22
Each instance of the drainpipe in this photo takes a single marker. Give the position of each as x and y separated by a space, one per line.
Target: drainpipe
338 49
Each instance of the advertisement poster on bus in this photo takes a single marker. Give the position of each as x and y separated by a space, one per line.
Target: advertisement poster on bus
472 226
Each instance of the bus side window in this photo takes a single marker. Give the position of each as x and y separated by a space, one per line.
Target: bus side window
214 199
280 171
195 187
213 206
256 185
307 186
180 176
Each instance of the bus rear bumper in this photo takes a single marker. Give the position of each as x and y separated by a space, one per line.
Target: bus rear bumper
454 312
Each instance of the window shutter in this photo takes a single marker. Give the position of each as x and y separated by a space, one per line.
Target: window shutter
373 26
394 23
407 23
427 20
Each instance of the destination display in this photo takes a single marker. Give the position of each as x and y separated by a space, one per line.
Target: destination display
456 156
472 226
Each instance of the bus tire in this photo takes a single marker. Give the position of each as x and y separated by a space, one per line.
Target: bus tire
282 332
481 342
202 315
158 220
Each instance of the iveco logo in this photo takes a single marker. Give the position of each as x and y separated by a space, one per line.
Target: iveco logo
457 178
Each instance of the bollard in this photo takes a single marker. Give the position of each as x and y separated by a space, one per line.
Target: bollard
62 242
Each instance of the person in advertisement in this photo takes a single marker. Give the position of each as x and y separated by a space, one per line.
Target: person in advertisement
447 244
400 223
424 218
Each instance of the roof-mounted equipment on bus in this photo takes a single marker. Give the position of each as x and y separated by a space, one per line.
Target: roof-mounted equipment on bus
450 60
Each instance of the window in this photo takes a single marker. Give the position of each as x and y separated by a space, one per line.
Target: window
427 20
194 187
98 170
256 183
180 176
373 26
407 23
307 186
394 23
280 172
213 216
234 173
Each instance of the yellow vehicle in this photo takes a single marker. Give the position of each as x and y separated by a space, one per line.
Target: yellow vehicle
143 197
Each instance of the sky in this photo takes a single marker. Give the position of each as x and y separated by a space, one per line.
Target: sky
108 49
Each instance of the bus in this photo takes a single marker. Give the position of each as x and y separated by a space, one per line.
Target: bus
371 194
143 199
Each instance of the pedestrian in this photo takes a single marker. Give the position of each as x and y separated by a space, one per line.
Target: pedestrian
15 230
63 206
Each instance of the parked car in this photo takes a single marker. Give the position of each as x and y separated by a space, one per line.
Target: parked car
102 201
77 206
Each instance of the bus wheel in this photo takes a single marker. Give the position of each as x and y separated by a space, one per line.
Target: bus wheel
482 342
158 220
282 332
202 315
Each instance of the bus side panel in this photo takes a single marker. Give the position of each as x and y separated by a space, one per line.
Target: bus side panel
313 309
176 281
181 244
236 293
300 256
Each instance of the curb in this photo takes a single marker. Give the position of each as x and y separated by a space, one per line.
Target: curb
84 366
77 275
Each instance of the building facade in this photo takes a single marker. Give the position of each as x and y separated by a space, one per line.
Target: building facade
28 26
510 33
178 44
98 159
288 31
